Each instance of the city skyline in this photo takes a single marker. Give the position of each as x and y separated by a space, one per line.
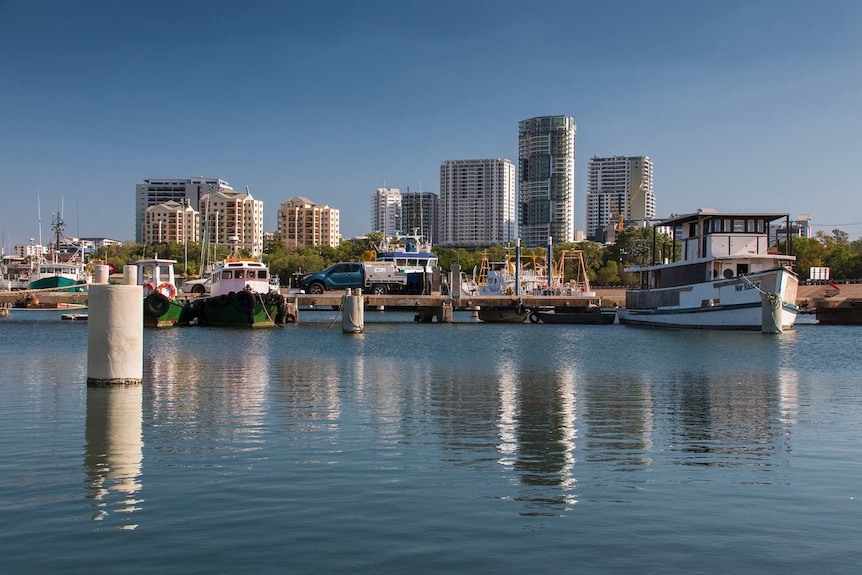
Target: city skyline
740 104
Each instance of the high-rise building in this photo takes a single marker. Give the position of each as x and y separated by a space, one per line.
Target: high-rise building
618 187
546 180
386 211
171 222
419 213
303 223
231 218
157 191
477 202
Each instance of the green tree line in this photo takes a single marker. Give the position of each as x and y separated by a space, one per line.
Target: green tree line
604 264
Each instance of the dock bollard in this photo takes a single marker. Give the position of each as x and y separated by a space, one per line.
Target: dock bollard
352 312
115 332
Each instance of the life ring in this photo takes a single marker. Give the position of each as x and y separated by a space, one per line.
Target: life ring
148 286
223 299
534 318
156 304
172 291
244 302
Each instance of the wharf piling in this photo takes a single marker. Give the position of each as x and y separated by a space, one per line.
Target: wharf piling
115 331
352 312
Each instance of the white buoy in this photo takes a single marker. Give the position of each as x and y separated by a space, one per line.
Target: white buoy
352 312
115 333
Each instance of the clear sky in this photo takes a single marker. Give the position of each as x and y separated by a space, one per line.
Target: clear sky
742 105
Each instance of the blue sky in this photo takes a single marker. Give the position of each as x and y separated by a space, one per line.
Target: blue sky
742 105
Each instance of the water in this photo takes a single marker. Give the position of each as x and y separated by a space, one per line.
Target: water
458 448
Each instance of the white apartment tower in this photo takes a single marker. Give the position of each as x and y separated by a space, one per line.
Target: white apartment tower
477 202
155 191
171 222
386 211
229 214
618 187
303 223
546 179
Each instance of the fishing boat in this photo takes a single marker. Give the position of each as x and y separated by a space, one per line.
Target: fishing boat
61 272
241 296
161 306
411 255
729 276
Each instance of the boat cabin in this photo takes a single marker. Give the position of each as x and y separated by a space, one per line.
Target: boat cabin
715 245
237 274
157 275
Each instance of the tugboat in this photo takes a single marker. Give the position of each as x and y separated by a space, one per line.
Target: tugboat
161 308
241 296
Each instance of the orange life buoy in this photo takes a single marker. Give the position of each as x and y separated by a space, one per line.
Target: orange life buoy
172 291
148 286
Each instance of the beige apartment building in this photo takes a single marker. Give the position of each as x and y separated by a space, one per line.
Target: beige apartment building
170 222
303 223
228 217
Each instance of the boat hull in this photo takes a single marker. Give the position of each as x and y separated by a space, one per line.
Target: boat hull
733 304
582 318
240 309
57 282
516 314
161 311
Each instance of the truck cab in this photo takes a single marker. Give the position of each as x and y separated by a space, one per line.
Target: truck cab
336 276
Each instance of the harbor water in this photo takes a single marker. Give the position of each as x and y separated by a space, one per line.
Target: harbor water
441 448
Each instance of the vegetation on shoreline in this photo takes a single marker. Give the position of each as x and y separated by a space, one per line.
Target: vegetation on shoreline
604 263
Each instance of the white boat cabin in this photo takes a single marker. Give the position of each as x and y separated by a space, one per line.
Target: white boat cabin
157 275
237 274
714 246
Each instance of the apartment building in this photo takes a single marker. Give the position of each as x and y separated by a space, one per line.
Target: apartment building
171 222
303 223
420 213
477 202
546 179
228 217
155 191
386 211
618 187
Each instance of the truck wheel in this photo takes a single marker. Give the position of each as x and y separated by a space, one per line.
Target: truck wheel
379 289
198 289
316 288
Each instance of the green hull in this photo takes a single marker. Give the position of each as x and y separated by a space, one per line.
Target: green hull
56 282
161 311
241 309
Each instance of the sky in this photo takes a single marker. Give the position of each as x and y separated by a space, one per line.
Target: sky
742 105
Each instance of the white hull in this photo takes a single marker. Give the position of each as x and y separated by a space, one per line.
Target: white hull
735 303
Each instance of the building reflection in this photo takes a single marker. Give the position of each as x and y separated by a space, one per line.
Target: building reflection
114 453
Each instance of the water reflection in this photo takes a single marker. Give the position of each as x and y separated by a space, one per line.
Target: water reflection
114 452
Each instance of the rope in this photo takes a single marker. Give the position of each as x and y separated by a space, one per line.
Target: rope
266 311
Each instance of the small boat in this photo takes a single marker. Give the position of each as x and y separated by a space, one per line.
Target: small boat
594 315
161 307
411 255
241 296
62 272
728 276
516 313
74 316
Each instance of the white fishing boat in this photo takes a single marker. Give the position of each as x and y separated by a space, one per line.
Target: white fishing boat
729 276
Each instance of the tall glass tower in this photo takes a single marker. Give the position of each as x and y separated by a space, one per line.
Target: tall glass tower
546 179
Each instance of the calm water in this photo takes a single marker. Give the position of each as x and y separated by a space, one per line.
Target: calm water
461 448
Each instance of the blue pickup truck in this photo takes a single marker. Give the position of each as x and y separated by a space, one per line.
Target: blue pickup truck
375 277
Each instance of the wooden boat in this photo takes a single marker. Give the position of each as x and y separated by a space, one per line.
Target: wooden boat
728 277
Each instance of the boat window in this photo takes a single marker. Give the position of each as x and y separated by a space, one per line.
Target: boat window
692 229
261 274
738 225
227 274
749 226
716 225
760 226
741 269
